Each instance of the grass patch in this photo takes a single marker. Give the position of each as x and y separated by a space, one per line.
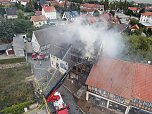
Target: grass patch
12 60
17 109
13 87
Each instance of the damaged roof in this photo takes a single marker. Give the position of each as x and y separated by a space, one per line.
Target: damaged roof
59 38
127 79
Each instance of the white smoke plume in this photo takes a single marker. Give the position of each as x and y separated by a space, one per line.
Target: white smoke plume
98 33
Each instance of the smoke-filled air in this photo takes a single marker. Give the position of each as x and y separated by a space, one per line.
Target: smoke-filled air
100 36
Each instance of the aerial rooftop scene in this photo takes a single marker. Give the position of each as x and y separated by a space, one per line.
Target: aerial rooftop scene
75 57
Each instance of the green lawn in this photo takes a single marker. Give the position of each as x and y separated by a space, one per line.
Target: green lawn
13 87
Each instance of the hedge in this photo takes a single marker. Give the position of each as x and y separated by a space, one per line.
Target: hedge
12 60
16 109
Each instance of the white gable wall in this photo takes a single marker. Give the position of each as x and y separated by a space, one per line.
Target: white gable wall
49 15
35 44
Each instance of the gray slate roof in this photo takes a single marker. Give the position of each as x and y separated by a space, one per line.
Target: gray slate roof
71 14
18 42
59 38
11 11
5 46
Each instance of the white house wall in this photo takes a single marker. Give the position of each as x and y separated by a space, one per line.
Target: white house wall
49 15
39 24
11 16
145 19
35 44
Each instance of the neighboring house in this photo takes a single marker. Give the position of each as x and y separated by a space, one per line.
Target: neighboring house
134 9
70 15
148 9
87 11
146 19
110 18
39 21
13 2
4 47
37 13
92 6
49 12
134 28
5 2
120 85
120 27
53 41
18 46
11 13
24 2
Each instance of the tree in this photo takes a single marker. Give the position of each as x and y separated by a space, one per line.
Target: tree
19 6
40 7
133 21
29 7
20 14
21 25
139 48
36 6
129 12
106 4
6 31
149 32
112 12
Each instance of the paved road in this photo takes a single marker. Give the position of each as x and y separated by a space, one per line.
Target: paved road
41 73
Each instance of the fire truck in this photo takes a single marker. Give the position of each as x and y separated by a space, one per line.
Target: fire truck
55 97
39 56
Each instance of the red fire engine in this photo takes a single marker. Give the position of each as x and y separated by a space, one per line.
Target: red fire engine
40 56
55 97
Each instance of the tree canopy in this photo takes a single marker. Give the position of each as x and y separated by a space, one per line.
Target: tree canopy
6 31
138 48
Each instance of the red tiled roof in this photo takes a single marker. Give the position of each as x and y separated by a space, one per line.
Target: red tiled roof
133 8
148 8
87 10
38 12
49 8
126 79
38 18
147 14
135 27
92 5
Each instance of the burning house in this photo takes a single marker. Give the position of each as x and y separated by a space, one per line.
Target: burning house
56 42
120 85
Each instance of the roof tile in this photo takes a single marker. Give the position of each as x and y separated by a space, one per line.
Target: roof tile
126 79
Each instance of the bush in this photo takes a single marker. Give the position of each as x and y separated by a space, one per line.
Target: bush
12 60
17 109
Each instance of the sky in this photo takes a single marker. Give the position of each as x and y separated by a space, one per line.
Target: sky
143 1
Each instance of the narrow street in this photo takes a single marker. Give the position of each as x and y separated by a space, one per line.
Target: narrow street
43 76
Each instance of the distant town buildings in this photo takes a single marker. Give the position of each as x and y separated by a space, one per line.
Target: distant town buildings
70 15
39 21
49 12
11 13
146 19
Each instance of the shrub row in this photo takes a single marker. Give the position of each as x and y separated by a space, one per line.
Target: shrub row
16 109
